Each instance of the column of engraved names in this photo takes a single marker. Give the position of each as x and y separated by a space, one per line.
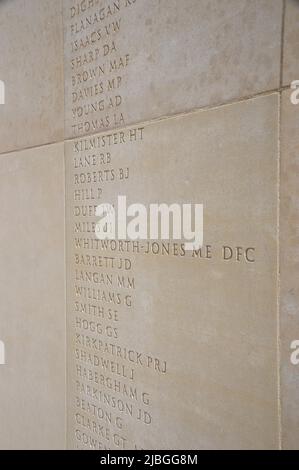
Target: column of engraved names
97 64
108 396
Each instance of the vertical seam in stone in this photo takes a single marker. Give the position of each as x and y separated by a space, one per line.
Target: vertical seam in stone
280 443
278 277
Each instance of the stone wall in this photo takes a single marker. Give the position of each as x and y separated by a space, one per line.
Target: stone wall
142 344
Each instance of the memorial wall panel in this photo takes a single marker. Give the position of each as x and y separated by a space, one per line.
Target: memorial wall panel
168 348
32 293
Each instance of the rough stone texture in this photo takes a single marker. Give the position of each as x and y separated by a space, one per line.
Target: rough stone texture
213 321
32 313
289 270
291 41
170 56
31 66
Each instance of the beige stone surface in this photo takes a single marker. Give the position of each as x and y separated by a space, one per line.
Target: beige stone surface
32 292
130 61
31 66
291 41
289 270
169 350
